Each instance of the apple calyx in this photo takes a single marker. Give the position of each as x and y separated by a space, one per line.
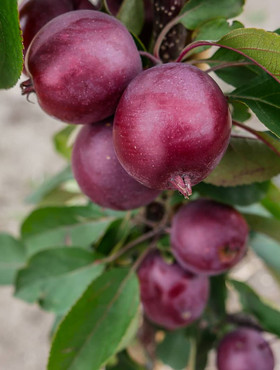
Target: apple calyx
182 184
27 87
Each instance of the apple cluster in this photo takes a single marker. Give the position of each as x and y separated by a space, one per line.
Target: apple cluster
144 131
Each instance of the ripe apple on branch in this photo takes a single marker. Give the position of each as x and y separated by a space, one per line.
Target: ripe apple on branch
172 187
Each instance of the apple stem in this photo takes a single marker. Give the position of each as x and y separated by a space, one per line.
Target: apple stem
154 59
129 246
183 185
197 44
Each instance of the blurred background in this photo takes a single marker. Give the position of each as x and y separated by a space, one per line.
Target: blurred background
27 158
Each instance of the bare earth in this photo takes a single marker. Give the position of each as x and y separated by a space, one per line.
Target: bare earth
26 158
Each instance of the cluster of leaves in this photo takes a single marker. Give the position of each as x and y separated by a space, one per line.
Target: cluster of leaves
75 259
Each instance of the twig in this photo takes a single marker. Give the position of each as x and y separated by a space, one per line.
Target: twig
143 255
241 320
142 220
129 246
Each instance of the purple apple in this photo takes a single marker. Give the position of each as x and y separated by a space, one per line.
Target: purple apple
172 127
244 349
34 14
79 64
208 237
171 297
99 173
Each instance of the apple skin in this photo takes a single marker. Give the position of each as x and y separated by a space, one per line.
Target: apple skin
244 349
80 63
99 173
172 127
171 297
34 14
208 237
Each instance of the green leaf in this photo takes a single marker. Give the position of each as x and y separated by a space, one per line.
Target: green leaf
241 195
61 141
55 325
139 44
268 316
205 342
174 350
58 226
11 49
164 242
56 278
266 225
47 218
130 332
82 234
237 75
215 28
115 236
240 111
218 295
200 11
246 161
91 332
272 200
257 44
271 140
267 249
49 185
262 95
131 14
176 198
60 196
12 258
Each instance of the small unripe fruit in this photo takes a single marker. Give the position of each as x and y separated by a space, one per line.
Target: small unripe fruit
244 349
80 63
171 127
171 297
99 173
208 237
